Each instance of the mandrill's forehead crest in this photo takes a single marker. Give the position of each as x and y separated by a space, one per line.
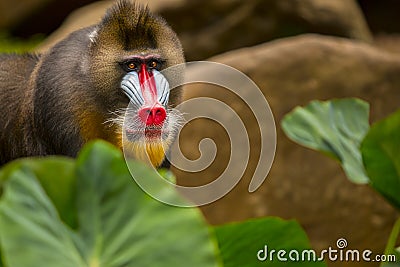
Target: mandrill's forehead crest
133 26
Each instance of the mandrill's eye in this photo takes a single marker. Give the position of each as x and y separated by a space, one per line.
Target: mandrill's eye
129 66
154 64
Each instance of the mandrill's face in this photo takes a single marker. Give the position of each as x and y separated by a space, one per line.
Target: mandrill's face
128 52
149 124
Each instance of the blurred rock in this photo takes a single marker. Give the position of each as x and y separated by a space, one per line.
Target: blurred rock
388 42
12 12
207 28
302 184
83 17
91 14
382 16
26 18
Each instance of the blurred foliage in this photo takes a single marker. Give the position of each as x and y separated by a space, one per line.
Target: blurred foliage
381 155
10 44
339 128
57 211
239 243
335 128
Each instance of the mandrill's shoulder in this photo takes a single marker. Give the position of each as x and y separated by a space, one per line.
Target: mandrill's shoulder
22 64
74 44
15 72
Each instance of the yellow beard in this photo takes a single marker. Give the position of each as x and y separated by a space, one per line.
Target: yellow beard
149 152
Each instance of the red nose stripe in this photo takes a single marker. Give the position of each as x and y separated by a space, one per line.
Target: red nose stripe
148 86
152 112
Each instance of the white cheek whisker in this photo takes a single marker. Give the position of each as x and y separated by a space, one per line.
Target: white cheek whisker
134 128
175 122
117 117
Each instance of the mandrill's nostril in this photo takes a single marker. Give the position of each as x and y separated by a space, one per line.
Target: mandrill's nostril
153 115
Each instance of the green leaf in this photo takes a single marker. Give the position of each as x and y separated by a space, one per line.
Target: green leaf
62 199
167 175
381 156
111 221
242 244
335 128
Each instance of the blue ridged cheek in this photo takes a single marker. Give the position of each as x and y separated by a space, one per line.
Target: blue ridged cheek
131 87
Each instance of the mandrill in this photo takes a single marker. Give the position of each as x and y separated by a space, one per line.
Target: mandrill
80 90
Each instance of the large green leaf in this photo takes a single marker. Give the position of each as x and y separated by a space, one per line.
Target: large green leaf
335 128
381 155
244 244
54 212
62 168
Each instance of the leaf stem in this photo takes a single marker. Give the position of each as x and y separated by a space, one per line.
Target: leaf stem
391 244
